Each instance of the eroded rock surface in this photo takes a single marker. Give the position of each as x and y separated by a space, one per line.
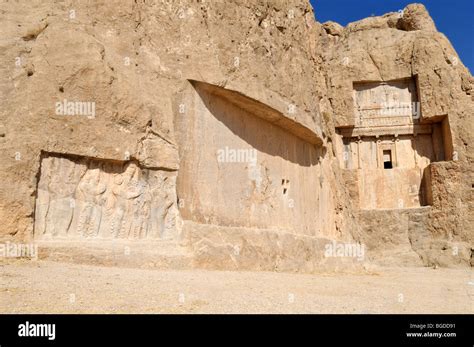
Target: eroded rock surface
140 120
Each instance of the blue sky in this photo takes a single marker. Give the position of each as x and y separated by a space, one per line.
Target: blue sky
454 18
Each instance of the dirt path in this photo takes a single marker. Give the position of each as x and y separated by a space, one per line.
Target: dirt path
50 287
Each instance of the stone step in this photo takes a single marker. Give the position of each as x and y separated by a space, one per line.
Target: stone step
123 253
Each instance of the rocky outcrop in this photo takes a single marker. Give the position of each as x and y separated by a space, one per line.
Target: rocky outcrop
158 87
397 46
415 17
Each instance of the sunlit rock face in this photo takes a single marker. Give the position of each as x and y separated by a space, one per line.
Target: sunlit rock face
401 99
248 134
241 169
82 198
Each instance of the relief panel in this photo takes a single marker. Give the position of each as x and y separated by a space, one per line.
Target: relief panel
386 103
88 198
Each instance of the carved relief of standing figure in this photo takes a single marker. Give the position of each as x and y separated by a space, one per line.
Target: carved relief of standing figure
61 189
131 190
88 194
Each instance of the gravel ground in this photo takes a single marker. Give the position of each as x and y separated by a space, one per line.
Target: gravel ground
54 287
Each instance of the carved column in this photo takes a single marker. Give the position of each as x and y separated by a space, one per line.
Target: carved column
395 155
414 149
358 151
377 144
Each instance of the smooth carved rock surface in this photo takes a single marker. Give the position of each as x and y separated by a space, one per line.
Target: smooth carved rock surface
85 198
238 169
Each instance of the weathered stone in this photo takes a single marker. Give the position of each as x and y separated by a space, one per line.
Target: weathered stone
229 124
82 198
333 28
416 17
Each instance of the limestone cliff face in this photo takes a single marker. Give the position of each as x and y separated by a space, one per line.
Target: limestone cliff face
396 46
136 74
132 59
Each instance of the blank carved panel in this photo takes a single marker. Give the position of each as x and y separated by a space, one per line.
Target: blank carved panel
279 188
81 198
